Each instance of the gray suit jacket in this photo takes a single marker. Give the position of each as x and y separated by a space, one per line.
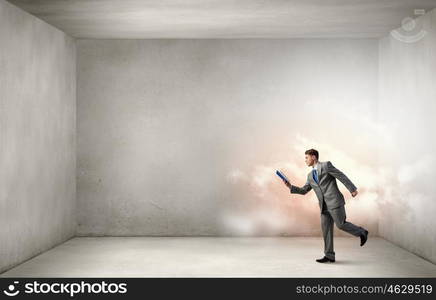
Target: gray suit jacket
327 189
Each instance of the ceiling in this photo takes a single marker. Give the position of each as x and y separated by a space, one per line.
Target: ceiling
140 19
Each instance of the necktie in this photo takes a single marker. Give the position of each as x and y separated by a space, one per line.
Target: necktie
315 175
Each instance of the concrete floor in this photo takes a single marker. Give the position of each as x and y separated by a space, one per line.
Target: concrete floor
221 257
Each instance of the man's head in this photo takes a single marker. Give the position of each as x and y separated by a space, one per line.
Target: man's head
311 157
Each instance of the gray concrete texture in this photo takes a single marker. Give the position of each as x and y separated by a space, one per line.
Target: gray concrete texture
133 19
37 136
221 257
183 137
407 110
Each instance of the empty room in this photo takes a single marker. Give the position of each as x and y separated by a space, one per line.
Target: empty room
217 138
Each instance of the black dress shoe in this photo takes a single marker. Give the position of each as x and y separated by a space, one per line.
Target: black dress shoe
363 238
325 259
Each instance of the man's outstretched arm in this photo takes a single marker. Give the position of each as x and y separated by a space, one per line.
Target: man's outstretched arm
299 190
341 177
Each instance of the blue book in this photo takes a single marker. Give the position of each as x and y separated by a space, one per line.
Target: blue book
282 176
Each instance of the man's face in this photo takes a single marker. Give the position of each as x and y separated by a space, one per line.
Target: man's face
310 160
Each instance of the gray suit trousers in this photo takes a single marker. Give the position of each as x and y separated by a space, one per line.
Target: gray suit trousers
337 216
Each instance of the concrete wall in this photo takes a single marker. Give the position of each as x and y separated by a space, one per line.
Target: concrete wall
37 136
182 137
407 111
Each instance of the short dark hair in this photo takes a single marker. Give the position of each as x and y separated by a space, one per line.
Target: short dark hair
312 152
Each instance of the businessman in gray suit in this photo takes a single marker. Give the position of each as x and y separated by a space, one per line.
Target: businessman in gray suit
322 179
